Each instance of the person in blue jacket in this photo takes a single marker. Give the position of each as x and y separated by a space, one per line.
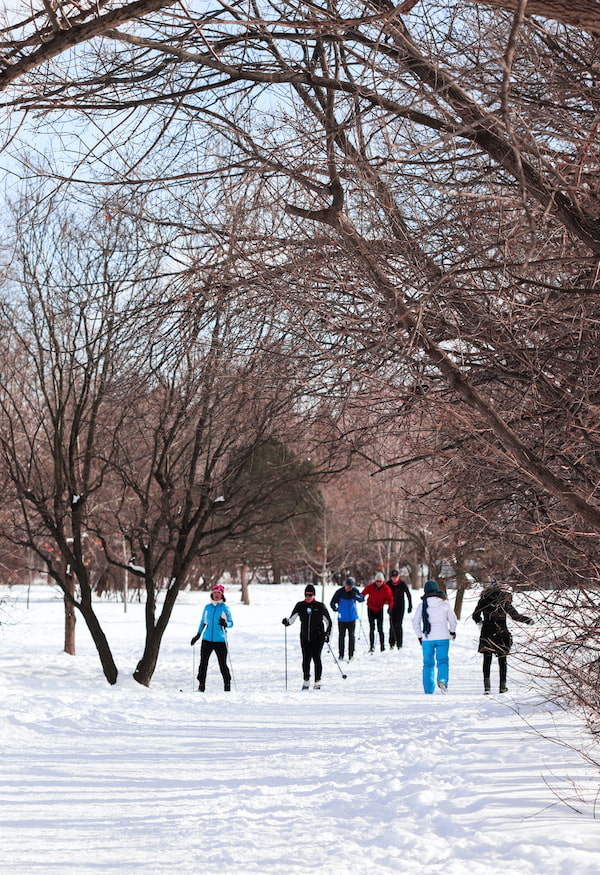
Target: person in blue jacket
344 602
216 619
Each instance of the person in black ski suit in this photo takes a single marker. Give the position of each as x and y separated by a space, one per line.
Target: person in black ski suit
494 604
315 628
400 591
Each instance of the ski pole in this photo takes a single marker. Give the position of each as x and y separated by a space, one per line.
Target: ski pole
364 634
194 668
360 623
285 639
335 660
229 658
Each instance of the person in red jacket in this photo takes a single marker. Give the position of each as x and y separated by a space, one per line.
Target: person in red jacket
378 595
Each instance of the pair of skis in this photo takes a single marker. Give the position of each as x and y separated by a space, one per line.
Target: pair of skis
328 648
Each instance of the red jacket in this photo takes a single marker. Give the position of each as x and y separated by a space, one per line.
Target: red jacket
378 596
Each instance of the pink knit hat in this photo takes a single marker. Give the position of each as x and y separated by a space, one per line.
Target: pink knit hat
218 588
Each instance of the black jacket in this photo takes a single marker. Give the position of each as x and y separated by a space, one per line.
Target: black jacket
400 590
491 610
315 621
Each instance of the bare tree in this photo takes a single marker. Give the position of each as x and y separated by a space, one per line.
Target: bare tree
335 114
421 200
67 324
222 393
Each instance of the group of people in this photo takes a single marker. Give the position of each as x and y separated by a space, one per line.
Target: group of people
395 594
434 623
316 623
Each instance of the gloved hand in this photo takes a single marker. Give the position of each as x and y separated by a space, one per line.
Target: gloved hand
453 634
194 639
421 641
326 639
223 622
409 610
285 621
529 621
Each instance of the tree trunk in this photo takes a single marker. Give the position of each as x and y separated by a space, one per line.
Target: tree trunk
70 618
154 635
99 638
147 664
461 584
276 569
244 580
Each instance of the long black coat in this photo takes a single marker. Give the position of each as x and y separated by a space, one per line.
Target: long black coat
491 610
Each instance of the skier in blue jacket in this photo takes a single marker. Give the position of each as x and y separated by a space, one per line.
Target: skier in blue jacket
344 602
216 619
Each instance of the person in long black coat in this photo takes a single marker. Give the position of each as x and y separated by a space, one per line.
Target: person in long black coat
492 609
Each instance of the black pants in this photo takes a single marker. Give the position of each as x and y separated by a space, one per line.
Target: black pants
311 650
343 627
220 648
396 629
487 665
376 617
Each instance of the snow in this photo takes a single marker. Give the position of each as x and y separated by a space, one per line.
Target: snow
139 569
366 775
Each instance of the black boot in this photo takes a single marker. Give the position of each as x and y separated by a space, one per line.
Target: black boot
487 667
502 669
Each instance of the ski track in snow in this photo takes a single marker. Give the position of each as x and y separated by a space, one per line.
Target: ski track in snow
367 774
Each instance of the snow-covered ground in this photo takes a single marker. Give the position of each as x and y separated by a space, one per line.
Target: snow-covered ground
366 775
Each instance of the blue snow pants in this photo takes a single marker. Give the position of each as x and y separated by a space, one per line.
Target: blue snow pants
435 652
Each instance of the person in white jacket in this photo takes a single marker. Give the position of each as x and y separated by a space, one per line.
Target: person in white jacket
434 623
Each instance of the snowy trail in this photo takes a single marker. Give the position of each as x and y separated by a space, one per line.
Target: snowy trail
367 774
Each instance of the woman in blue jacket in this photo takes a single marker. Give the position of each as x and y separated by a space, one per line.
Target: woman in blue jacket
344 602
216 619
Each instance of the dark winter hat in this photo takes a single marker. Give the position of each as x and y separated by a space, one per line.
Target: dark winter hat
395 573
349 581
430 587
309 589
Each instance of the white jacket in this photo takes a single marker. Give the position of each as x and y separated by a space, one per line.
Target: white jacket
441 616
